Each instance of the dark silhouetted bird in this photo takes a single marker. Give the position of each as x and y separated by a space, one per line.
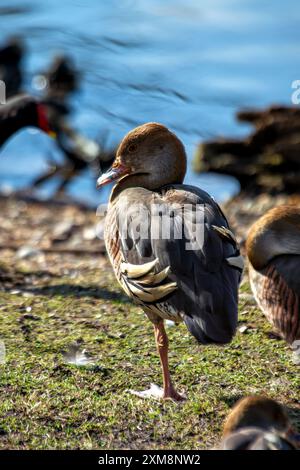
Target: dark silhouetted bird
79 152
11 55
19 112
62 78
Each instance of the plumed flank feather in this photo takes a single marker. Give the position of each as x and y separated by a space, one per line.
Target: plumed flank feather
141 282
150 294
225 233
134 271
154 279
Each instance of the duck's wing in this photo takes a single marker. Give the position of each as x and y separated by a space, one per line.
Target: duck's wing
280 295
252 438
196 264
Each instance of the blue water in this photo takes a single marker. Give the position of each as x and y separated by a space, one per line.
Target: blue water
189 64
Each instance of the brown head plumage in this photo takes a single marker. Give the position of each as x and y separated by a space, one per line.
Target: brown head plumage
258 411
149 156
152 147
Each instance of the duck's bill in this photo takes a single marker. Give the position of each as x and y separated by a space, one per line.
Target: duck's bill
114 174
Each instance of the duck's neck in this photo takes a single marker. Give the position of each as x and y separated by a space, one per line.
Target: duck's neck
141 180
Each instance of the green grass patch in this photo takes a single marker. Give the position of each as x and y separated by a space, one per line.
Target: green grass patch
48 404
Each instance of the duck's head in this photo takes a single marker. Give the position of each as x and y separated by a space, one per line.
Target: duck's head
258 411
263 413
149 156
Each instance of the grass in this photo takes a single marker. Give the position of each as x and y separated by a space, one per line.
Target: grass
46 403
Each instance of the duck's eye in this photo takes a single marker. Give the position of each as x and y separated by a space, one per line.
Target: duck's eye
132 148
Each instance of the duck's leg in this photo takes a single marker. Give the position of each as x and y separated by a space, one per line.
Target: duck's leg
162 344
168 391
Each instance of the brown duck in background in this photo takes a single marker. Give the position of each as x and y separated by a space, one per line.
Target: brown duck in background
258 423
273 249
168 279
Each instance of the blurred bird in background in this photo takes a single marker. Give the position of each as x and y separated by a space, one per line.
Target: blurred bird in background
58 83
22 111
258 423
273 249
11 57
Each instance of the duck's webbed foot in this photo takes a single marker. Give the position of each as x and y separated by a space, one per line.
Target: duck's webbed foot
153 392
168 392
159 393
172 394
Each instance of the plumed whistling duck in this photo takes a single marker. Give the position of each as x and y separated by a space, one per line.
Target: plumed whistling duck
189 273
273 249
258 423
19 112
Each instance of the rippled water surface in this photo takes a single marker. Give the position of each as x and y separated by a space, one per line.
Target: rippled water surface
189 64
